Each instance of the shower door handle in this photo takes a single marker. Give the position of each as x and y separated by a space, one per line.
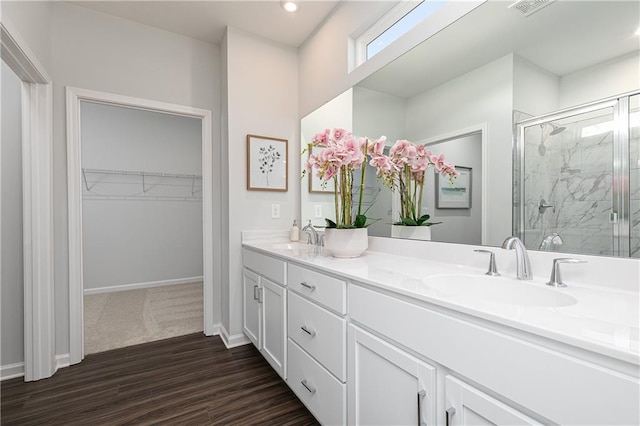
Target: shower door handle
613 217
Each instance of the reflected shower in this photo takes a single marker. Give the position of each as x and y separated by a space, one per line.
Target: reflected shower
542 149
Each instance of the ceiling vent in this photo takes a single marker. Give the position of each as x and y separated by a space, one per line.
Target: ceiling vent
529 7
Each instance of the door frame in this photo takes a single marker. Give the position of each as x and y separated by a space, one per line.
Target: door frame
37 198
74 96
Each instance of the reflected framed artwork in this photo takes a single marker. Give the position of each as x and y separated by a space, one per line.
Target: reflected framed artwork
315 183
456 194
267 164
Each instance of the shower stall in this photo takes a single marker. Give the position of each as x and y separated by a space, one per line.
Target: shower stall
577 179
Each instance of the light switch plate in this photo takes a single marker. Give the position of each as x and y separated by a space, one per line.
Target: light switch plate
317 211
275 211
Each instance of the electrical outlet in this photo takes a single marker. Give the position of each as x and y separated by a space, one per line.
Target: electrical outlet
275 211
317 211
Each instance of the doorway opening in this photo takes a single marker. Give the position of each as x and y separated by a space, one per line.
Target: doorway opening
97 193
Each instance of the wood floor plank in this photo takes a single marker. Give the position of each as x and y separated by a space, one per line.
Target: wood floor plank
187 380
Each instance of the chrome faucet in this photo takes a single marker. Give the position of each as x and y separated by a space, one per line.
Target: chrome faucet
523 266
312 234
550 242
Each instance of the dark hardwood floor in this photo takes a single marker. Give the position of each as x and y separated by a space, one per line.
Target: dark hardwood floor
187 380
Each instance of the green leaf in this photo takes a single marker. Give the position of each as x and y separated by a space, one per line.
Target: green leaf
361 220
330 223
409 222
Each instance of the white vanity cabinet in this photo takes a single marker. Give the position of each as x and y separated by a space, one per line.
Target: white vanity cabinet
317 342
466 405
386 385
264 307
551 383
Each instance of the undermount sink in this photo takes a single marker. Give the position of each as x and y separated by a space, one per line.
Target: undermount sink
500 290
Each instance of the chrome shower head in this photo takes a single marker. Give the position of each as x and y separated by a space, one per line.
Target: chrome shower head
556 129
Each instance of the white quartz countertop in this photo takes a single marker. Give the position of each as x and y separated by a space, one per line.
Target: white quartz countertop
598 319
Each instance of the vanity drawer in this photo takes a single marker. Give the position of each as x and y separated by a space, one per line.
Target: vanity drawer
325 335
328 291
321 393
268 267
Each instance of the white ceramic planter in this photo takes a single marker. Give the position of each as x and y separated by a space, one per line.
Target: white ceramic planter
411 232
346 242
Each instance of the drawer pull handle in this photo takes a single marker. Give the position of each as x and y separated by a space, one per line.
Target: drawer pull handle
308 387
449 413
421 396
311 333
311 287
255 292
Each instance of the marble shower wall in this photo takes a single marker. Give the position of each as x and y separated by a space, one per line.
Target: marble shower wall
573 173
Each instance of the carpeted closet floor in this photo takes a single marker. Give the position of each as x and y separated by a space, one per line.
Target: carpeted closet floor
125 318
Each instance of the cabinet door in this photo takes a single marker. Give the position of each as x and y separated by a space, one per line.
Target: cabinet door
466 405
251 307
274 337
387 386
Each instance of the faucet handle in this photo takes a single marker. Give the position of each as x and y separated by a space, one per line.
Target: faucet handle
556 277
493 270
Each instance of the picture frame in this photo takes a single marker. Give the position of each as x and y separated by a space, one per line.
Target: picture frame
456 195
315 183
267 160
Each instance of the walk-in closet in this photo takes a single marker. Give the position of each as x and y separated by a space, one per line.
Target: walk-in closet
141 225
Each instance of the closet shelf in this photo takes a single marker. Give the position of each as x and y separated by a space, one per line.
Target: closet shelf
101 184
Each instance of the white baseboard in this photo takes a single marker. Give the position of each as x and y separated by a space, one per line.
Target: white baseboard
62 361
136 286
232 341
215 331
11 371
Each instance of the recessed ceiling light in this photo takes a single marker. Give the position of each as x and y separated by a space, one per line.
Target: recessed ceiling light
289 6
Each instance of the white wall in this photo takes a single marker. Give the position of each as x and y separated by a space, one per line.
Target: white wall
483 96
262 78
614 77
337 113
32 19
536 91
140 241
324 60
12 280
100 52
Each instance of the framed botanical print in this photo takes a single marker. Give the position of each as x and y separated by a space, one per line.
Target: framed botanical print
267 163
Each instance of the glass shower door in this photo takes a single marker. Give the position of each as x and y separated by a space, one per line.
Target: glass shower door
634 175
568 187
580 179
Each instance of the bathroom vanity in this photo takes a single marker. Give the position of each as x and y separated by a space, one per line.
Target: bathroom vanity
415 333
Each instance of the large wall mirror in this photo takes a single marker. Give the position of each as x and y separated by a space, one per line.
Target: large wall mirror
464 91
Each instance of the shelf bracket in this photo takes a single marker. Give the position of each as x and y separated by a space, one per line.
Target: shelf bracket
84 178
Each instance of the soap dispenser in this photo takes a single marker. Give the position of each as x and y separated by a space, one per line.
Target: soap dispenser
294 234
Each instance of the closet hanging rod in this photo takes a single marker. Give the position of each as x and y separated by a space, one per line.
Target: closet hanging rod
136 173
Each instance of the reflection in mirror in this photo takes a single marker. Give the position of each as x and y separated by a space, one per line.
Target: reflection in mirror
579 174
477 72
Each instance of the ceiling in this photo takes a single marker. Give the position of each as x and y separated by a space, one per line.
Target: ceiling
562 38
207 20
